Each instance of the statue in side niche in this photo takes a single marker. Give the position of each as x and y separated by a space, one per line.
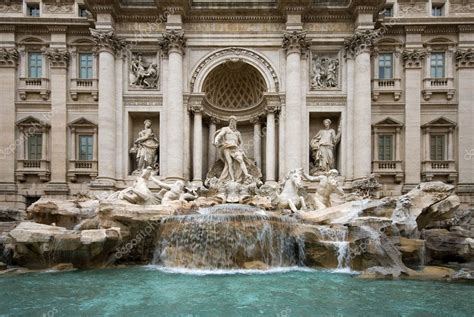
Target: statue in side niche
145 148
322 147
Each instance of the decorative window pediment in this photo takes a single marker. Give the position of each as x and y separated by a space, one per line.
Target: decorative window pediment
82 123
388 122
440 122
31 121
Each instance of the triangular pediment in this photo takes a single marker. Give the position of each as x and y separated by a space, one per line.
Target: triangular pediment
82 122
389 122
440 122
30 120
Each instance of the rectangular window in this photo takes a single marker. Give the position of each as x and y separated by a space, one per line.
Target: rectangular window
437 10
85 148
35 146
385 66
35 65
83 12
388 11
437 65
85 65
33 9
386 147
437 147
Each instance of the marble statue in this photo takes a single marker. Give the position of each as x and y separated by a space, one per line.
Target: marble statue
290 197
324 73
328 184
237 166
142 74
322 147
173 192
139 193
145 148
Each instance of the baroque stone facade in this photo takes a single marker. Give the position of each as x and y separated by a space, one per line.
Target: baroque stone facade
80 79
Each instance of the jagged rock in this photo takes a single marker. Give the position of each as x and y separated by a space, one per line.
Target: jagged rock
260 202
415 202
63 267
255 265
464 274
413 251
340 214
41 246
3 266
449 246
439 211
432 273
62 213
8 214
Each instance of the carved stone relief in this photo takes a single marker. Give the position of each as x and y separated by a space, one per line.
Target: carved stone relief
324 71
143 72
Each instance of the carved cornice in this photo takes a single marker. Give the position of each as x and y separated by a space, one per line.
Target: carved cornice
465 58
173 41
255 119
7 28
8 57
195 107
58 8
413 58
58 57
360 42
466 28
107 40
295 42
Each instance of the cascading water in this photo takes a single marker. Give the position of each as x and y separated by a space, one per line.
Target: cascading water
337 236
228 236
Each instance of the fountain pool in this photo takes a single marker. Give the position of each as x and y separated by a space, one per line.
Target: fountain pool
140 291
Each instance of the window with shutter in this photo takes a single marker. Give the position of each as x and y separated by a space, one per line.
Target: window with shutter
35 146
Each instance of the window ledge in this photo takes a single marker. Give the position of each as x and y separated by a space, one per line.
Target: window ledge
32 167
438 85
34 85
84 86
386 86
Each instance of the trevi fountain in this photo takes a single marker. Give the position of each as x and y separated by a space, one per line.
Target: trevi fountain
279 248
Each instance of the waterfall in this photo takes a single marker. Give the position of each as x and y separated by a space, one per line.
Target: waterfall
228 236
338 238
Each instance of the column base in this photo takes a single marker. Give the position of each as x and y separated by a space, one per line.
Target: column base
197 182
7 188
407 187
271 183
103 184
172 179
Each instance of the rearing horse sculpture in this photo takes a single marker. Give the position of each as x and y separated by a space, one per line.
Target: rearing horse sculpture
289 197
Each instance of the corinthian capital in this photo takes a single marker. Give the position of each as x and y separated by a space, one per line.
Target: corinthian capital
8 57
173 41
413 58
107 40
295 41
58 57
465 57
360 42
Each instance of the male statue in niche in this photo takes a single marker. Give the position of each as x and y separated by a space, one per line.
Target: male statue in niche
322 147
228 142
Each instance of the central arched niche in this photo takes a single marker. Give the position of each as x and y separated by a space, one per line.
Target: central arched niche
234 88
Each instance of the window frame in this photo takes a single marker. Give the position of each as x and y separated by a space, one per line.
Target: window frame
444 147
435 66
36 67
382 156
33 6
384 67
38 154
438 8
89 65
89 156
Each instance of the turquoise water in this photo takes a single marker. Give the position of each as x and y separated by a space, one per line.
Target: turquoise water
144 291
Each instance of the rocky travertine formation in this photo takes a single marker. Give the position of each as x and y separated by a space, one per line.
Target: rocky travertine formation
41 246
62 213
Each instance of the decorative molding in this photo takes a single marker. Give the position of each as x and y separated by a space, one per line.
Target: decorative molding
413 58
272 108
8 57
464 58
57 57
361 42
231 52
234 18
143 73
172 41
195 107
60 8
411 10
295 41
10 8
107 40
324 72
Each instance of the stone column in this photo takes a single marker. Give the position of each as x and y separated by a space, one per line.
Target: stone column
294 43
413 61
359 46
58 60
465 68
173 45
8 64
257 140
196 109
107 44
211 158
347 133
270 152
